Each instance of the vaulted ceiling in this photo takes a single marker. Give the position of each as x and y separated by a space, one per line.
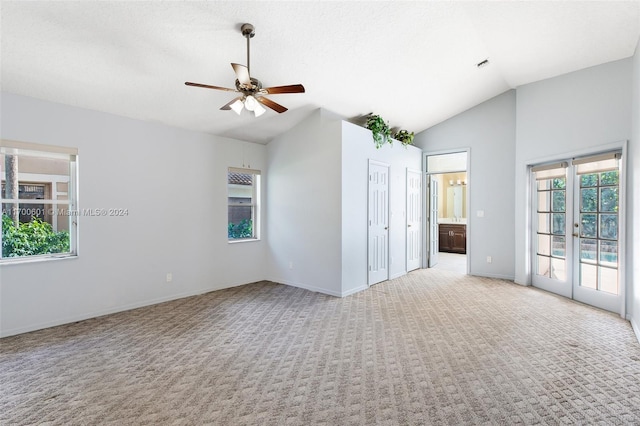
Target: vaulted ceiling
414 63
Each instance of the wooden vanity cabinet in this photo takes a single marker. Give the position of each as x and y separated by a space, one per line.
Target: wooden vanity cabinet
452 238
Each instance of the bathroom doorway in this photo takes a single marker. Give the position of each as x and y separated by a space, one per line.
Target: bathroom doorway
447 204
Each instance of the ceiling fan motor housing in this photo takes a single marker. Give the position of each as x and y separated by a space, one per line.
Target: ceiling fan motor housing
248 30
255 87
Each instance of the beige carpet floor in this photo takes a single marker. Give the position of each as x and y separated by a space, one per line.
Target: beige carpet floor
433 347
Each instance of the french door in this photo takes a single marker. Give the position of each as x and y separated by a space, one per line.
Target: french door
576 229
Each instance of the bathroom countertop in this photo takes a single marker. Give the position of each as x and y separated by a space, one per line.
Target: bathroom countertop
452 221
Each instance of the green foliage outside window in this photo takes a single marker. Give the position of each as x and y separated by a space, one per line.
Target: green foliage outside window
32 238
242 229
559 183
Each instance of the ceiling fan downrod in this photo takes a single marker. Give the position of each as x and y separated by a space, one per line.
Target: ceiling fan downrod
248 31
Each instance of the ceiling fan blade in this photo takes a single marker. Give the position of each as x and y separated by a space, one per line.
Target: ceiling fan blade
242 73
292 88
228 105
270 104
206 86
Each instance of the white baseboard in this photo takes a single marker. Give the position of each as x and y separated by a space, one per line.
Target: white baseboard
498 276
635 327
308 287
100 313
355 290
398 275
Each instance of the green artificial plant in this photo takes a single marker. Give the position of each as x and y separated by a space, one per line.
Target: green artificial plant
404 137
380 130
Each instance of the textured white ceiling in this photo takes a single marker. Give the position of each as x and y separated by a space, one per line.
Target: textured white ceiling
412 62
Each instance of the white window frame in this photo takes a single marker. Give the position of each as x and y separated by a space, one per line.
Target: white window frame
17 147
255 204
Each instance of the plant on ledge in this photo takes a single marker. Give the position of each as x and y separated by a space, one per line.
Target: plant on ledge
404 137
380 130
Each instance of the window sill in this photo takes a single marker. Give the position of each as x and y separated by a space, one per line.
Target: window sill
35 259
246 240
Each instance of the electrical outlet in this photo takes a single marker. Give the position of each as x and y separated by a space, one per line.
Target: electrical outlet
169 277
489 259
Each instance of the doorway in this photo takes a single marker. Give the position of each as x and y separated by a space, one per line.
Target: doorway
447 201
577 215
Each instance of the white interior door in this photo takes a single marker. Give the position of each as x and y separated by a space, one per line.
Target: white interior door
414 219
434 243
378 222
576 230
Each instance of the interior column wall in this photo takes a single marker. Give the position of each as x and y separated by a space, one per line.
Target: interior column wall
357 149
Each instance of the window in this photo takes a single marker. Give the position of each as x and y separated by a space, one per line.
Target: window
39 209
243 204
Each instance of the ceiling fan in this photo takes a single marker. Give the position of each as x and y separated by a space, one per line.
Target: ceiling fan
252 92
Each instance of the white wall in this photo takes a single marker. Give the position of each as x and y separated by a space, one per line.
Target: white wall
488 130
579 112
303 205
634 198
357 149
173 183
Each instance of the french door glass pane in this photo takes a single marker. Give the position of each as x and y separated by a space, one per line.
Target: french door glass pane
559 183
610 178
558 223
543 265
543 223
588 275
608 280
588 226
589 180
558 269
543 201
558 201
609 253
609 199
544 243
609 226
588 249
588 200
558 246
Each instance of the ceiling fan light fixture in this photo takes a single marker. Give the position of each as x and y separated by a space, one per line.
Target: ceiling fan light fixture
250 103
258 110
237 106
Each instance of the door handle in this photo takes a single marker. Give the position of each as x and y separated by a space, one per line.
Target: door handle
408 226
386 227
575 234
